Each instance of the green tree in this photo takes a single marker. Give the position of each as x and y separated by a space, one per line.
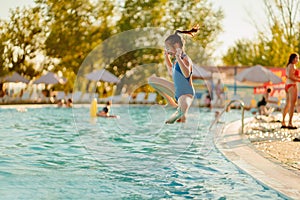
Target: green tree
76 27
22 41
3 38
169 16
172 15
68 23
66 32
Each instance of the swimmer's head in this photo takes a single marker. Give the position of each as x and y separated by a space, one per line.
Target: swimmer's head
108 103
217 113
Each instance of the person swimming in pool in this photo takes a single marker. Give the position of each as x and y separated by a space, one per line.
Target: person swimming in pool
69 103
292 77
105 111
179 65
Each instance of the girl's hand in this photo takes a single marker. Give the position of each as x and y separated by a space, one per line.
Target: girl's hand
178 52
166 52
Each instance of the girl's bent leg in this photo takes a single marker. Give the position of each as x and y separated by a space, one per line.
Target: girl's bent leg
164 88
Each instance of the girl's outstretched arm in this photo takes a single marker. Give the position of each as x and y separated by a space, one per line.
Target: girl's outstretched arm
184 63
168 62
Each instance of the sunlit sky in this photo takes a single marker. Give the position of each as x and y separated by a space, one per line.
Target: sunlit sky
237 24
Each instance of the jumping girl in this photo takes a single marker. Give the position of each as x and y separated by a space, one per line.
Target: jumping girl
179 65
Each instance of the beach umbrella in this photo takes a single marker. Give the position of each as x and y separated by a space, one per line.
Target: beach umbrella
201 73
15 78
258 74
50 78
102 75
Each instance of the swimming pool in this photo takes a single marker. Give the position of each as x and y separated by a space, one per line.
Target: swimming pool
60 153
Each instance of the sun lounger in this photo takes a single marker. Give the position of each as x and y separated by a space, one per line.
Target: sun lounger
140 98
249 102
76 96
42 98
151 98
86 98
60 95
236 97
26 97
274 103
5 99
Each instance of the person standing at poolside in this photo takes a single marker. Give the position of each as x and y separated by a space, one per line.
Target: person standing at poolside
291 90
219 92
181 70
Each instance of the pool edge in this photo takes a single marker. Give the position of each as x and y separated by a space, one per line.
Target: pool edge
239 150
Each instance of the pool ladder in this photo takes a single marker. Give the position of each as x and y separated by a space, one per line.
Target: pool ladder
242 104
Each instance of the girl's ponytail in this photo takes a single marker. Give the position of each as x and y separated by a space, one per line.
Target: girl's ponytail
190 32
175 38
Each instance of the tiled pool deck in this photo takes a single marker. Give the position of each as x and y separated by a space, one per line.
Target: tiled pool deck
265 151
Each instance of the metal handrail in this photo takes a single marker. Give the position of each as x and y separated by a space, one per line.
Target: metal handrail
242 104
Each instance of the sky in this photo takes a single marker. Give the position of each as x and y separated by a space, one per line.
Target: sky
240 21
237 24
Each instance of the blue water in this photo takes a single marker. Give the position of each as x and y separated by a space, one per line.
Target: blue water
60 153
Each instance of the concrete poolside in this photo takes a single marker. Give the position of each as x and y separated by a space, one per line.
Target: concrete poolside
264 151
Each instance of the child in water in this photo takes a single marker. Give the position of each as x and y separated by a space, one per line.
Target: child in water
181 70
105 111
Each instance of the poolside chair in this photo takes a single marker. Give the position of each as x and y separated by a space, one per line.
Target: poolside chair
125 98
26 97
274 103
76 96
94 95
116 98
42 98
60 95
34 97
86 98
103 100
236 97
140 98
248 101
151 99
6 99
69 96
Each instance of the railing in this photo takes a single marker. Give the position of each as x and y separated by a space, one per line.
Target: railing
226 108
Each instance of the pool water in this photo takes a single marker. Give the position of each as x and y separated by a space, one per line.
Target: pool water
60 153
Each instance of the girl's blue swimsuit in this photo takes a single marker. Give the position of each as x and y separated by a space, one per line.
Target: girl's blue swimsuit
182 85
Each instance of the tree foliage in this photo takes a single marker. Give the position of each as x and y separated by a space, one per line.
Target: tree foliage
174 15
22 39
64 33
170 15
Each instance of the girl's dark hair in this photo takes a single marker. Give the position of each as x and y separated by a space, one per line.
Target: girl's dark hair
175 38
292 57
